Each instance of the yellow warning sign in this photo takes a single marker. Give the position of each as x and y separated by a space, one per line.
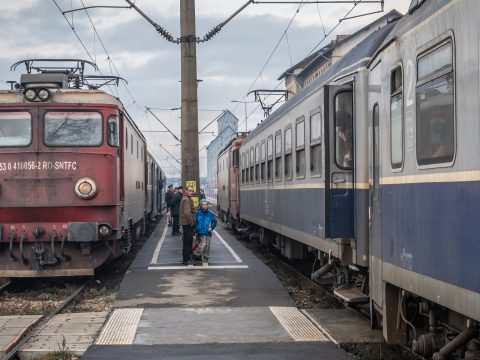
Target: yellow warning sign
193 184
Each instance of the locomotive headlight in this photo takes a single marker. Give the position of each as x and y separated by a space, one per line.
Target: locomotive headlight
43 94
85 188
105 230
30 94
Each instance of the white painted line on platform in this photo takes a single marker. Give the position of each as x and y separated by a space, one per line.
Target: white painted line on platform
234 254
159 245
199 267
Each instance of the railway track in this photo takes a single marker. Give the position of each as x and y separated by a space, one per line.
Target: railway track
321 290
42 321
5 285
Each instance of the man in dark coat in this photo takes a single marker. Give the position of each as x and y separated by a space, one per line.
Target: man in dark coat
168 199
187 220
175 210
168 196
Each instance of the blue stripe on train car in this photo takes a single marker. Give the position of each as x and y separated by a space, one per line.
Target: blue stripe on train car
434 229
341 213
299 209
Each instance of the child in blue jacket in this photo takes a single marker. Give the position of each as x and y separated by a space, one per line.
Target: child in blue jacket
206 222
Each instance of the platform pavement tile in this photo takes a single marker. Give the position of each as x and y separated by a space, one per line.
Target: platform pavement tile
12 329
345 326
46 344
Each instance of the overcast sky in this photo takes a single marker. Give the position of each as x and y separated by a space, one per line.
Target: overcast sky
235 61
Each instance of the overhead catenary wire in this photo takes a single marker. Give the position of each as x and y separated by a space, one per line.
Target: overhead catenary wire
93 58
320 42
333 29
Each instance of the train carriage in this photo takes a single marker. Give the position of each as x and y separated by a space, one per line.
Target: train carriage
423 111
228 195
304 170
374 167
72 176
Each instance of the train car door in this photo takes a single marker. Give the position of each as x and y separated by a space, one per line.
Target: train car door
339 116
234 180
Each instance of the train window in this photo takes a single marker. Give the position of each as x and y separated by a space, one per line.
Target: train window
257 164
112 131
137 149
300 147
288 153
316 144
396 118
278 155
131 143
15 128
270 159
236 160
126 139
251 165
344 130
247 169
435 114
243 168
376 153
263 169
73 128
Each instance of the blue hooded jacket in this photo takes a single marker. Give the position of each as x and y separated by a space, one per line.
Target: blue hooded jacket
205 218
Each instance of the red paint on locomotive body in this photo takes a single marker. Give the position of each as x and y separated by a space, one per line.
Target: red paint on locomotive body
72 183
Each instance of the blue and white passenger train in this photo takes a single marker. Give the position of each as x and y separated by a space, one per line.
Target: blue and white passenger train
375 168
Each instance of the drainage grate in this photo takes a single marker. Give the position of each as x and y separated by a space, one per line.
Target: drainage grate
121 327
297 325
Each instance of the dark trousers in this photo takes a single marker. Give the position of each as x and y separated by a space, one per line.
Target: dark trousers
187 242
175 226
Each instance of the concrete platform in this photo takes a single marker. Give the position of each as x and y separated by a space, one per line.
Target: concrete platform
235 308
70 332
234 276
248 351
12 329
344 326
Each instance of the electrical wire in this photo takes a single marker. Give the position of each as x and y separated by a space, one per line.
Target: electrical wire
109 59
333 29
275 48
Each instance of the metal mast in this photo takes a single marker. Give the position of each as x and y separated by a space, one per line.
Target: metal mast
189 121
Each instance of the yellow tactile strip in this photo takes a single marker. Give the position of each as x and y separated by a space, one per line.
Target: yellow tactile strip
297 324
121 327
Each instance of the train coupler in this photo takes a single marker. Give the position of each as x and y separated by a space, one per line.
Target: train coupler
40 256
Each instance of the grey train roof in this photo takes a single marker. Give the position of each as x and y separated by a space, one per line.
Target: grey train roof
359 56
418 13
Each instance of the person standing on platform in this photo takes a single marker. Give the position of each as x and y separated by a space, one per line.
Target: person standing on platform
206 222
168 199
202 194
175 210
187 220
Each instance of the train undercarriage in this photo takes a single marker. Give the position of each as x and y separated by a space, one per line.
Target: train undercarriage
430 330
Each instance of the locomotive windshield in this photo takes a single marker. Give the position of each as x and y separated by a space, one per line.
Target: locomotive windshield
73 128
15 128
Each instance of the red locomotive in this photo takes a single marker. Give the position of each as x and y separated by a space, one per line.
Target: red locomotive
228 195
73 174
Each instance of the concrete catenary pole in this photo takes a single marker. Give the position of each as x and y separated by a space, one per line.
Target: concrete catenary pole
189 121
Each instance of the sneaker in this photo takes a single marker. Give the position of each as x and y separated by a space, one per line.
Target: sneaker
185 263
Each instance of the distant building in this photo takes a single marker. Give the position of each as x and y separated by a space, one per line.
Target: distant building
227 130
305 71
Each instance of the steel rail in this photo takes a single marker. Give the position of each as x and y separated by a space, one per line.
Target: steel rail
42 321
3 286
